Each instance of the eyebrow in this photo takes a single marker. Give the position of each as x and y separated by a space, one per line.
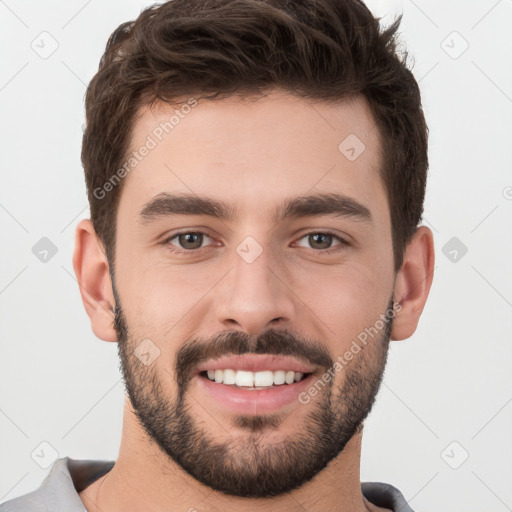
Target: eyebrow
165 205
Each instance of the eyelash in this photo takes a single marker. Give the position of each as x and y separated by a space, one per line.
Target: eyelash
336 248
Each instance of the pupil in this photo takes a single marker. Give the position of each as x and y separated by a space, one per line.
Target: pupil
187 239
317 235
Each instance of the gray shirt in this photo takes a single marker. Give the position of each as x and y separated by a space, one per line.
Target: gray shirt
59 490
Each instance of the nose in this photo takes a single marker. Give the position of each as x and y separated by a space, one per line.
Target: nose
256 295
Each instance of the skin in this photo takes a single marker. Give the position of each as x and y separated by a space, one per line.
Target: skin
253 155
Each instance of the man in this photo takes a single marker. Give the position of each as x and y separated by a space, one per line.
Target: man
256 174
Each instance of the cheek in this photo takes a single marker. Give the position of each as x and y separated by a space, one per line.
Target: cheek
158 297
348 298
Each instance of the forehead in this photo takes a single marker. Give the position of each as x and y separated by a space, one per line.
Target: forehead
252 154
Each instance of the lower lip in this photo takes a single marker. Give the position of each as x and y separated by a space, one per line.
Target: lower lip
261 401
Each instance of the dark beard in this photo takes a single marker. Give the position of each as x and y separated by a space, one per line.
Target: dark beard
249 465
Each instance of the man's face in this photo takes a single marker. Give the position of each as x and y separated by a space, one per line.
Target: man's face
254 283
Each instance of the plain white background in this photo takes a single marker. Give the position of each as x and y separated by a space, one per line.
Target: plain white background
441 428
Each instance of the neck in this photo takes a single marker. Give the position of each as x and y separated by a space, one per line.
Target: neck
144 478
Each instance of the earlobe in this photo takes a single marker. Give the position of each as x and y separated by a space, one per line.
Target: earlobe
413 283
92 273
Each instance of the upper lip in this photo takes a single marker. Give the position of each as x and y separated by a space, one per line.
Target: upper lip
256 363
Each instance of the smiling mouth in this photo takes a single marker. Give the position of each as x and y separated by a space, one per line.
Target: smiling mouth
247 380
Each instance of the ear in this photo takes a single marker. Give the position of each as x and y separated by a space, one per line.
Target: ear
413 283
92 273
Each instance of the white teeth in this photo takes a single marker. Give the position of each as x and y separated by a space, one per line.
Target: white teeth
279 377
229 377
263 379
244 378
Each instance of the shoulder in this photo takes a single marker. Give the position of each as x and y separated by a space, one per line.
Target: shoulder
43 498
385 495
31 502
59 489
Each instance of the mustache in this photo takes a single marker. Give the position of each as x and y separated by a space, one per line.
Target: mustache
226 343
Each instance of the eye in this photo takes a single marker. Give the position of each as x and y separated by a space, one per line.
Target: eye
322 240
189 241
192 241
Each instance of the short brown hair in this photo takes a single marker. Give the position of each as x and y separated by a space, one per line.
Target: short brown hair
319 49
